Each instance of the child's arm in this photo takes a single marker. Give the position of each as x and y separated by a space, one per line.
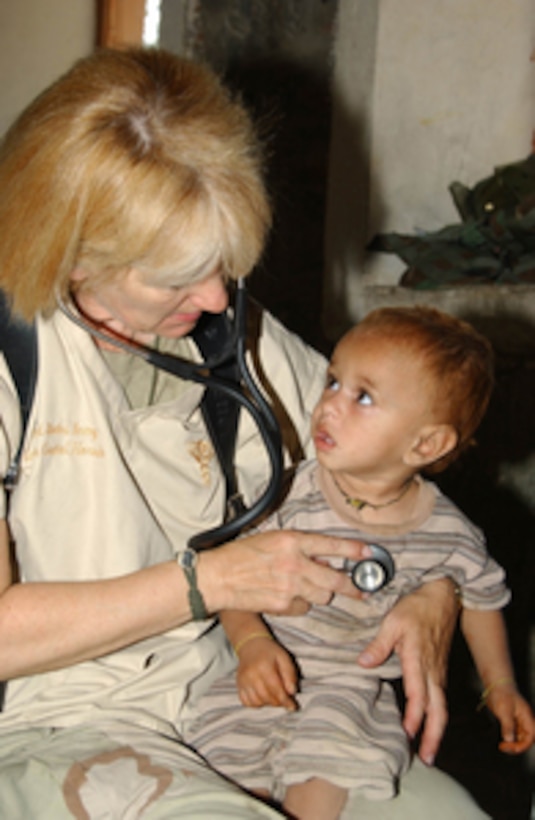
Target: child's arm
486 637
267 675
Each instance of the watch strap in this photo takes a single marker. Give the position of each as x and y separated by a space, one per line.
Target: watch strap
187 560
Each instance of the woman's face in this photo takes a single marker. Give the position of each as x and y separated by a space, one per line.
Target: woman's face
133 306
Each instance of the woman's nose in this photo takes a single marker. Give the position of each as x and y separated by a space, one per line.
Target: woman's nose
211 294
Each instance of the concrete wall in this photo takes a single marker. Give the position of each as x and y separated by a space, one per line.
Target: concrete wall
39 40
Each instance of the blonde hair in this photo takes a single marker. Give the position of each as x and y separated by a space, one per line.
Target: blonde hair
134 158
458 358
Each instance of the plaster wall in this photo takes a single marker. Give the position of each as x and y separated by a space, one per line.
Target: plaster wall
38 42
424 94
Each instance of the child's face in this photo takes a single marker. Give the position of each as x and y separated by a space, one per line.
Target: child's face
377 399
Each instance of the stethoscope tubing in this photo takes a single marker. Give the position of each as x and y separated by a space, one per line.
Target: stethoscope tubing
254 403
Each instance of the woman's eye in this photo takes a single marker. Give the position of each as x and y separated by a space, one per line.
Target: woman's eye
364 398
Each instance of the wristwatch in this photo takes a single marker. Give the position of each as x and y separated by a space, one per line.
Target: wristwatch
187 560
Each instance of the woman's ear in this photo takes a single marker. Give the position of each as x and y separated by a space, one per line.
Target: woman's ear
78 275
432 443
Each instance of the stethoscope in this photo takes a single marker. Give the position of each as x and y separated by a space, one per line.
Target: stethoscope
244 391
369 574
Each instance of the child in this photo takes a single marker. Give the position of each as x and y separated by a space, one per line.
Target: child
405 391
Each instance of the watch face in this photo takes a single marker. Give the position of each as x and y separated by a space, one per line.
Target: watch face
187 558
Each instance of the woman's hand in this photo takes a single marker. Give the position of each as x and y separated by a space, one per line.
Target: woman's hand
420 629
275 572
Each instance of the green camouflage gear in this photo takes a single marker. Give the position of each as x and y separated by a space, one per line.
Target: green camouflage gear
495 242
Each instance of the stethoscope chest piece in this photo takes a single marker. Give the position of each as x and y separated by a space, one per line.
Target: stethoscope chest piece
373 573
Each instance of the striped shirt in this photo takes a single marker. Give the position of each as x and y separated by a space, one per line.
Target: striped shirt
347 729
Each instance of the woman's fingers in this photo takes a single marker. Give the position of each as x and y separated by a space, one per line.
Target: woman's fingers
419 629
317 580
269 572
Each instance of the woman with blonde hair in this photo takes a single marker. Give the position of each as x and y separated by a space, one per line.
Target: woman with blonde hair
131 194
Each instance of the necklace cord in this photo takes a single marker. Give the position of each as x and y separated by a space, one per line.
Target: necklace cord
360 503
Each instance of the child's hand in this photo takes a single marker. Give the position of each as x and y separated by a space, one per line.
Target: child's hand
515 716
267 675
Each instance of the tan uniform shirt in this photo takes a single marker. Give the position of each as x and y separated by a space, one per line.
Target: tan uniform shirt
106 489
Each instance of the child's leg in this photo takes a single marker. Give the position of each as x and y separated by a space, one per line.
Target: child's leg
316 799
